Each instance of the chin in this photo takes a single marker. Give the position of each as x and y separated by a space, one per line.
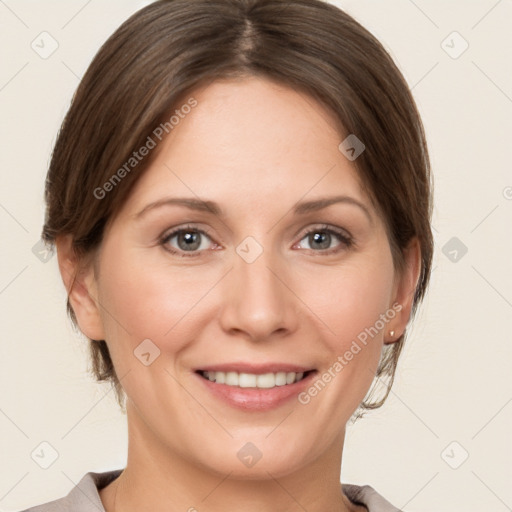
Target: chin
243 460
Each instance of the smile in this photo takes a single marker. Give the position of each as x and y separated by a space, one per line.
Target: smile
252 380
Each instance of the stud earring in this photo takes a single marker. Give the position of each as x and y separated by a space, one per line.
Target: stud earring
392 334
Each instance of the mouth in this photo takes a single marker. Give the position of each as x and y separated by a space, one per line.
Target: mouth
267 380
248 387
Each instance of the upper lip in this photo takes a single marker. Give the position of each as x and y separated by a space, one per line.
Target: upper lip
257 369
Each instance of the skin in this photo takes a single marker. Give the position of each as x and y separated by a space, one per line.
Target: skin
256 148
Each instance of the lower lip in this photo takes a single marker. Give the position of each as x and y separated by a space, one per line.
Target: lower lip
256 399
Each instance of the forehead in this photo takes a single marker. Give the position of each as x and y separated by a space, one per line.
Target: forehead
250 141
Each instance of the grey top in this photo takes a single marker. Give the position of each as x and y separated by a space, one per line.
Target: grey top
84 497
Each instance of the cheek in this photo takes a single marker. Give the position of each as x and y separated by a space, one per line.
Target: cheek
351 299
355 301
353 304
144 299
149 302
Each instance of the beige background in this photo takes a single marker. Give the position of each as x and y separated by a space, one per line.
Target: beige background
453 382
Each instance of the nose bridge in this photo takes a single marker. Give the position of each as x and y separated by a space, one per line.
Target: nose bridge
253 271
257 301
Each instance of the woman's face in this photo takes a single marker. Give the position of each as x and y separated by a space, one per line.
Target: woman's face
244 289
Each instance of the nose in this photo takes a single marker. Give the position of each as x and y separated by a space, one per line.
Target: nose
257 301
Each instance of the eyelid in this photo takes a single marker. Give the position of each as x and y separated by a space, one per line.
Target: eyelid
172 232
327 227
344 236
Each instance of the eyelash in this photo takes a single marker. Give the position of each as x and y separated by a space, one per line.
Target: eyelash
345 240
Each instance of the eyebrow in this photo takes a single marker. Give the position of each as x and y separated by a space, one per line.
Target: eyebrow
213 208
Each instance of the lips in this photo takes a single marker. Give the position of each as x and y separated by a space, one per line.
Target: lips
250 386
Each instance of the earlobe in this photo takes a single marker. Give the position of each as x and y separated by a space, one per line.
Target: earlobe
405 288
80 282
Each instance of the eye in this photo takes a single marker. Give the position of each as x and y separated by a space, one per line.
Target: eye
193 241
322 237
188 240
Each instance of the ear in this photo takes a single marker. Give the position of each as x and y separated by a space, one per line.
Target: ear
404 290
80 281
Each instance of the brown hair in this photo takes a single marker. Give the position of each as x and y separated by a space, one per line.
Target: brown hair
168 48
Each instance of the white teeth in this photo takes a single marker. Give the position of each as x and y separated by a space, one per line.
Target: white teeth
246 380
251 380
231 378
266 380
280 378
